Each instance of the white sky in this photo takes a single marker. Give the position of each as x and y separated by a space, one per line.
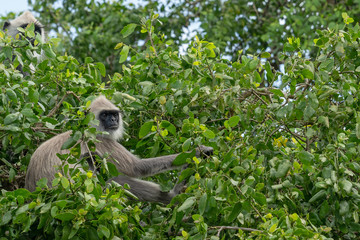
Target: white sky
13 6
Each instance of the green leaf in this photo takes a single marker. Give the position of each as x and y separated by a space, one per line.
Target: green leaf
269 73
223 76
22 192
12 95
344 208
307 74
124 54
202 203
6 218
308 112
33 95
186 173
65 182
186 145
306 157
72 140
283 169
101 68
11 118
357 130
27 112
233 121
277 92
45 208
42 183
181 158
169 126
253 64
22 209
259 198
265 55
49 52
145 129
128 29
209 134
325 120
234 212
187 204
250 180
8 51
103 231
65 216
112 169
346 185
318 196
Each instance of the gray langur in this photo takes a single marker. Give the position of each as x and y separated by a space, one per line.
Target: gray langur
23 21
44 160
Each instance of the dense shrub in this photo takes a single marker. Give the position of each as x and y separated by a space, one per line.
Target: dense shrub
286 159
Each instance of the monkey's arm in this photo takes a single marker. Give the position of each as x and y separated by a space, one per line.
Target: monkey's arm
132 166
151 166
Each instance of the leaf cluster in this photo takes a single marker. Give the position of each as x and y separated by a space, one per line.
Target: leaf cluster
286 154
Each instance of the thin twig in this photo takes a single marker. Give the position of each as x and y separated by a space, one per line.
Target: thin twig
92 159
295 135
262 100
53 111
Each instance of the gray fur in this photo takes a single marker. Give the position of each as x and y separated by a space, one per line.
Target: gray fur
44 160
22 21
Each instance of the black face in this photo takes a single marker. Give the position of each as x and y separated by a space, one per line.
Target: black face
6 24
109 119
37 28
36 31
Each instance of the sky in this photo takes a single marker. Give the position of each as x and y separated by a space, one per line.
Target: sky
13 6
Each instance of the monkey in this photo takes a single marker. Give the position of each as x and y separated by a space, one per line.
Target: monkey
23 21
43 161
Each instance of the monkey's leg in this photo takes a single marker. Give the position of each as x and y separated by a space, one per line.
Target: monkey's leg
148 191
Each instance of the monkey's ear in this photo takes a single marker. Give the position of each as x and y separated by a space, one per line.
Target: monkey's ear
6 24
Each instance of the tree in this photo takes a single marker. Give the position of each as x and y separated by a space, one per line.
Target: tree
286 160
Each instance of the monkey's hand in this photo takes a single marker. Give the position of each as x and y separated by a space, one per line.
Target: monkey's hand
204 151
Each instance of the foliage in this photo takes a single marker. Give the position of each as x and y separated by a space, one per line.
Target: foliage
233 26
286 160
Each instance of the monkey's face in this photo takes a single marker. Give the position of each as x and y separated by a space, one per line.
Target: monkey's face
12 30
109 119
111 122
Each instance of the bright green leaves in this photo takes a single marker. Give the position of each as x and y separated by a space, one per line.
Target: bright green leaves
101 68
347 19
232 122
128 29
11 94
284 138
11 118
145 129
189 202
209 134
103 231
265 55
124 54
